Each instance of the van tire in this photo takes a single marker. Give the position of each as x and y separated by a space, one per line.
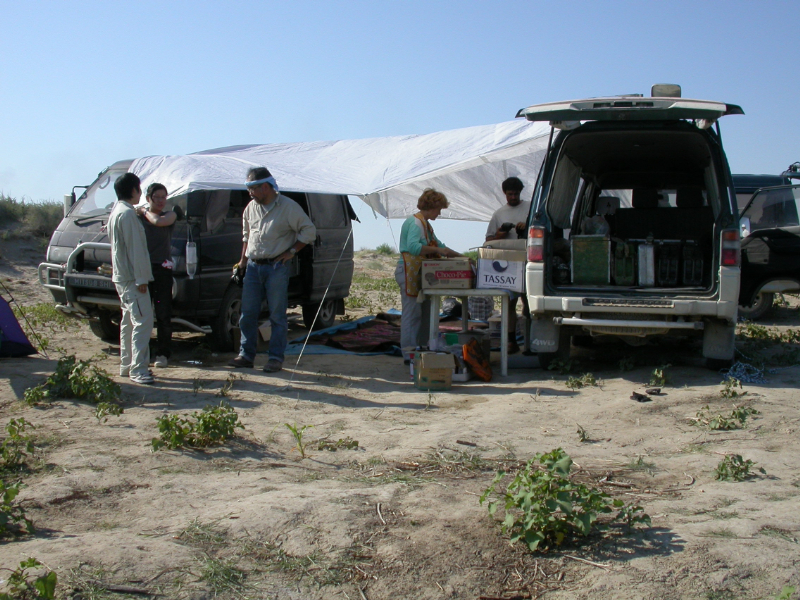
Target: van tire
106 326
327 316
762 304
227 320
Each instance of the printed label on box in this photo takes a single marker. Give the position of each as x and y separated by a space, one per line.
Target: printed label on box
501 269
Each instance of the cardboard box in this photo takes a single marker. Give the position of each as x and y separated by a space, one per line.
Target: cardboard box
501 269
433 371
447 274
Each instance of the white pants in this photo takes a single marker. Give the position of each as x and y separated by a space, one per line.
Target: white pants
134 329
415 324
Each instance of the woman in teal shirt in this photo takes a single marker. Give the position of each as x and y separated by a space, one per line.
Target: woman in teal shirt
418 242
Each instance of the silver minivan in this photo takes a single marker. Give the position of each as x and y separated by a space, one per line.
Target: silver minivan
633 228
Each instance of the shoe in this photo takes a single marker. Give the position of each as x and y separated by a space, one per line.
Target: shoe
161 362
273 366
145 379
124 371
513 347
240 362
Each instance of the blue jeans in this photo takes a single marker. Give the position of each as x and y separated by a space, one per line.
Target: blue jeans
271 281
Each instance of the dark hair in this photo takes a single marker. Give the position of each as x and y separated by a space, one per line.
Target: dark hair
256 173
125 185
512 184
154 187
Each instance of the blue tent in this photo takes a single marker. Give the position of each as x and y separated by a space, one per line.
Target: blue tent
13 341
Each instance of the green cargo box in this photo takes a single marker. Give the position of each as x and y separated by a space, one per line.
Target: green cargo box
591 259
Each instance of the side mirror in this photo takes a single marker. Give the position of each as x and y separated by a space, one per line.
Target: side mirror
69 200
744 227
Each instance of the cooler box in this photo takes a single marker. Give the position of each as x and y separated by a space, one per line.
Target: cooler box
591 259
447 274
501 269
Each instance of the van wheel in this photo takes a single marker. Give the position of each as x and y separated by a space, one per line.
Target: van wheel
717 364
227 320
761 306
106 326
327 315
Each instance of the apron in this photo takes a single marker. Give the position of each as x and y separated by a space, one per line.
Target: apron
413 264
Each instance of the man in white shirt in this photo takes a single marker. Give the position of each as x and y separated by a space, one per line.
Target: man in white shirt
274 230
131 274
509 222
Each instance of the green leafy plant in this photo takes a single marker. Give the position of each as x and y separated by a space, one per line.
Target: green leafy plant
585 380
729 385
659 376
12 516
734 468
737 419
347 443
297 434
17 444
75 379
583 436
544 507
209 427
21 586
786 593
627 363
563 366
103 410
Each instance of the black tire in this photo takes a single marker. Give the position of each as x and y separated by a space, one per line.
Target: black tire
327 316
717 364
106 326
227 320
762 304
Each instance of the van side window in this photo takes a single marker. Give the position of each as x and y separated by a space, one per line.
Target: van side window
298 197
328 210
239 200
217 208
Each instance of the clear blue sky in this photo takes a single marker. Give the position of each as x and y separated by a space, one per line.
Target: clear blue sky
87 83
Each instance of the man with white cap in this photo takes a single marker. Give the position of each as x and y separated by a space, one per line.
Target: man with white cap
274 230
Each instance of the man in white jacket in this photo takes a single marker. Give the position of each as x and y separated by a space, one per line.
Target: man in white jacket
130 261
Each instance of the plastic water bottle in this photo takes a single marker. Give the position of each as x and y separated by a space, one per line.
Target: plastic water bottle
191 259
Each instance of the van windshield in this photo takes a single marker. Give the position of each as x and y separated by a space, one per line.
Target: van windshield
99 198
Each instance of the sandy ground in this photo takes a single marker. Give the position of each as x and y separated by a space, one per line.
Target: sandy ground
398 517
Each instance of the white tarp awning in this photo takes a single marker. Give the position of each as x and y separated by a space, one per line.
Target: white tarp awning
389 173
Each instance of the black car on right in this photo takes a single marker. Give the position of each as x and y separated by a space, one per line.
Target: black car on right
770 231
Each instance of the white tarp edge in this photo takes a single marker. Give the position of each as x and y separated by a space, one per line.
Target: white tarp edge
389 174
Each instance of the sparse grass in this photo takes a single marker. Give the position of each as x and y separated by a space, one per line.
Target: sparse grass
203 535
721 533
24 219
640 464
221 575
386 250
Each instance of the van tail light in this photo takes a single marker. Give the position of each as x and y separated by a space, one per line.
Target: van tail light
536 244
731 248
